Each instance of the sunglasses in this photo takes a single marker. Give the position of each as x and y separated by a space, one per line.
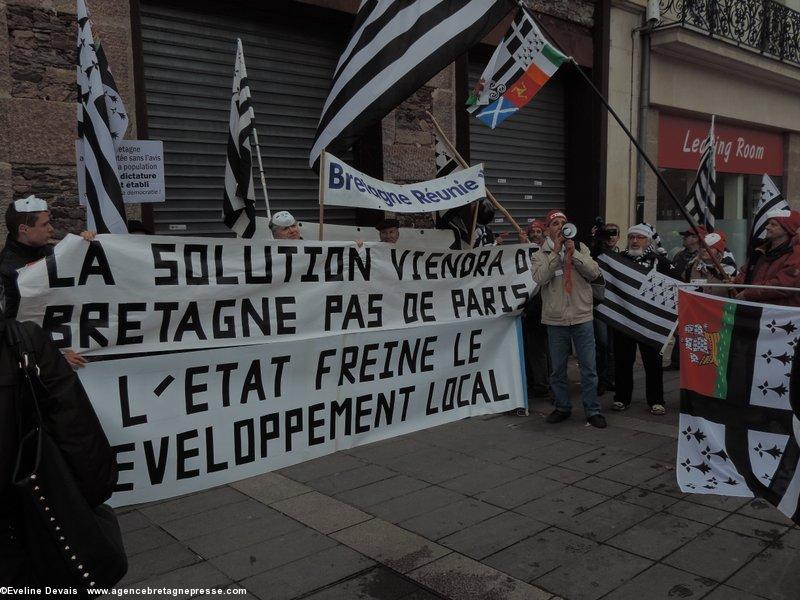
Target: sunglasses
612 231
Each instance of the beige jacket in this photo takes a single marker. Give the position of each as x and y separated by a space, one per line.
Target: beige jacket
559 307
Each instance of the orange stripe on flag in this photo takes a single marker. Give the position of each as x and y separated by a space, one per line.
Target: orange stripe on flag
537 75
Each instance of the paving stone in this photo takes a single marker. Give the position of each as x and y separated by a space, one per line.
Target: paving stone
761 509
726 503
522 490
561 474
753 527
635 471
307 574
320 467
387 450
197 576
665 483
457 576
377 584
481 479
390 545
321 512
648 445
381 491
664 453
451 518
696 512
791 539
270 487
217 519
192 504
560 451
606 520
144 539
348 480
598 460
131 521
146 565
526 465
593 574
540 554
415 503
244 534
435 465
602 486
774 574
725 592
492 535
715 553
662 582
648 499
263 556
561 505
657 536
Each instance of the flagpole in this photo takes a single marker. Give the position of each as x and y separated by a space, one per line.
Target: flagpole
464 165
322 175
261 171
474 224
739 285
669 338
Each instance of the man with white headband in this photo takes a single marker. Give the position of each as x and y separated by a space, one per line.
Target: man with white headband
640 250
284 226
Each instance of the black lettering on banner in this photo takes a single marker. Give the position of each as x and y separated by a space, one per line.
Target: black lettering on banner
191 388
269 434
248 427
128 420
312 252
520 292
345 407
430 409
417 254
253 383
288 252
211 466
283 316
249 313
89 325
230 323
95 263
427 354
338 274
322 369
467 265
498 397
249 276
363 266
398 263
389 347
362 411
125 324
496 265
385 406
449 392
294 424
414 306
201 250
333 305
159 262
479 390
314 423
521 261
375 310
483 258
461 381
190 321
53 280
488 300
408 356
225 369
432 265
279 362
348 364
184 454
504 301
367 361
123 466
156 467
219 268
457 300
406 392
56 322
166 309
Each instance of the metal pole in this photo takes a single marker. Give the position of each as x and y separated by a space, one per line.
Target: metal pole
644 107
322 175
261 171
739 285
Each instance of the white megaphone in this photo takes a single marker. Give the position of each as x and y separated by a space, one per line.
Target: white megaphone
569 231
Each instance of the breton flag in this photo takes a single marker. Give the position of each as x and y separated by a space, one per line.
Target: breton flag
239 200
102 121
771 201
518 69
445 162
740 400
395 48
638 301
702 197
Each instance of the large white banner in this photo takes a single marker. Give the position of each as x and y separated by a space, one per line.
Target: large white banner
127 293
345 186
188 421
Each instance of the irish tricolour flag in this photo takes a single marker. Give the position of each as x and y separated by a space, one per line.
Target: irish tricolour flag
740 396
518 69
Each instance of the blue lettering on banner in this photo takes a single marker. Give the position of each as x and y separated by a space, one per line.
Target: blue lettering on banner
419 196
471 185
335 179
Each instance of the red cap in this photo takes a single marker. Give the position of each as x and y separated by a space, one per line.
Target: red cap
716 240
536 223
554 214
790 222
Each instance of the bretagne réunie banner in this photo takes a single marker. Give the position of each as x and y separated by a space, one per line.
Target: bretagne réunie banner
122 294
346 186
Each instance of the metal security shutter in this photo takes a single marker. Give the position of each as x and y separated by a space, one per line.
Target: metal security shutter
524 157
188 67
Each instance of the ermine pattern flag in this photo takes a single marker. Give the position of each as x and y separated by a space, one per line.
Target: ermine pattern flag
102 122
239 201
702 197
520 66
738 428
445 162
396 47
771 201
638 301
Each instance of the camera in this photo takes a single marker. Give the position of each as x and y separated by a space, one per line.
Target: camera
601 232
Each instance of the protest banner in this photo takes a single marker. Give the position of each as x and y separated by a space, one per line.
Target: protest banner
346 186
131 294
140 164
187 421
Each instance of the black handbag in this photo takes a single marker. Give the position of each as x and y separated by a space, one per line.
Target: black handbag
68 542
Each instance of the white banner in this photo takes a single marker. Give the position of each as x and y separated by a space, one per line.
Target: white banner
188 421
345 186
141 171
133 293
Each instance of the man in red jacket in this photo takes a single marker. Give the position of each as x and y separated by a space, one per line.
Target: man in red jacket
775 263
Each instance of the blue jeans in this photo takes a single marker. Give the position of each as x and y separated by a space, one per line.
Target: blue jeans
560 339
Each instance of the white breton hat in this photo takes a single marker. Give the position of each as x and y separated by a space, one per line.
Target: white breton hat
30 204
282 218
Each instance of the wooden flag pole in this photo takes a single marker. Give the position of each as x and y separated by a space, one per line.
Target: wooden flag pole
464 165
322 175
474 225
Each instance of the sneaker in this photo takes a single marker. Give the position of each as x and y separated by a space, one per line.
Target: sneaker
557 416
619 406
658 409
598 421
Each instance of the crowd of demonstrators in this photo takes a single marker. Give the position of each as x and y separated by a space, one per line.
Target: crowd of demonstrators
564 271
605 237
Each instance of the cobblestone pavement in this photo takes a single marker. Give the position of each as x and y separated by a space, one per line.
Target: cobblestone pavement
495 508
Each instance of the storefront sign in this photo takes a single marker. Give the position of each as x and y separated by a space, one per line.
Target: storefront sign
739 149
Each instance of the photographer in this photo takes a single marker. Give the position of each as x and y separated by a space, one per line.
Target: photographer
605 237
564 271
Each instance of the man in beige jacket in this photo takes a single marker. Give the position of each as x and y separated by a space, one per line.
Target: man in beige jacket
563 271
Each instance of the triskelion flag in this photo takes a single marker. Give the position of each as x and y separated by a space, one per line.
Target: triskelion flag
740 395
518 69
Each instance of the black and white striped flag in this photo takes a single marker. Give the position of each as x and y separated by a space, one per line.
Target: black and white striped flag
702 197
239 202
102 121
771 201
397 46
445 162
638 301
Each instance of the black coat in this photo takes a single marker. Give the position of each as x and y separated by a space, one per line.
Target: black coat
14 256
71 422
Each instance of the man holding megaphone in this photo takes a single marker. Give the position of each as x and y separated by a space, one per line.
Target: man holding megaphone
565 272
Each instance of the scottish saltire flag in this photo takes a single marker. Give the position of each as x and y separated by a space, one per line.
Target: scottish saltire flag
102 121
740 400
702 197
771 201
395 47
518 69
445 162
239 200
